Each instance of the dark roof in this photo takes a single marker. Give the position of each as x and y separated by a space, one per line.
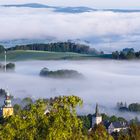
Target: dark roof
107 124
116 124
96 114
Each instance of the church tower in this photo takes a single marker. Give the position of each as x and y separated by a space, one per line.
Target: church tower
7 109
96 118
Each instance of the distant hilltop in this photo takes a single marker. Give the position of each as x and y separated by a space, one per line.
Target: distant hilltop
79 9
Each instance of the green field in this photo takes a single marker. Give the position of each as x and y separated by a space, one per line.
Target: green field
45 55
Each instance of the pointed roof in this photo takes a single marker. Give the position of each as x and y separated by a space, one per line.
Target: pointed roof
97 110
7 96
116 124
7 101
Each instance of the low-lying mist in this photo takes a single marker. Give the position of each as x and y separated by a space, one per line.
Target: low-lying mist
105 82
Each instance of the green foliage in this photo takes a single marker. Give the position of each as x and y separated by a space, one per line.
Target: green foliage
60 73
1 49
17 109
31 123
86 123
135 132
127 53
19 55
113 118
63 120
10 66
99 133
134 107
132 134
57 47
115 55
121 119
105 117
27 100
121 136
2 93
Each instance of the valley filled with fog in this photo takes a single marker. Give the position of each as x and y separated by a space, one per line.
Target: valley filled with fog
105 82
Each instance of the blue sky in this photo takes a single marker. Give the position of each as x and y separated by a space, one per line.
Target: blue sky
127 4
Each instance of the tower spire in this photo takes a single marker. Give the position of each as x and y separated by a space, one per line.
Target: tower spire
97 110
96 118
7 109
7 101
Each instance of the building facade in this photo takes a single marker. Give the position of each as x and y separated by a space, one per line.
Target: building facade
116 126
7 109
96 118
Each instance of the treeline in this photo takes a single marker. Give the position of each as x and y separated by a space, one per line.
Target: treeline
3 94
2 48
127 53
9 67
133 107
87 119
45 72
57 47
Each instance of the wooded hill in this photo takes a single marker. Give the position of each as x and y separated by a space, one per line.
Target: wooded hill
58 47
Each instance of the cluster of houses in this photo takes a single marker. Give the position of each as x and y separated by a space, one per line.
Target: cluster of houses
110 126
7 110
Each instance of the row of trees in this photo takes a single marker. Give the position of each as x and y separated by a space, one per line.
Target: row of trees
9 67
134 107
1 49
45 72
127 53
57 47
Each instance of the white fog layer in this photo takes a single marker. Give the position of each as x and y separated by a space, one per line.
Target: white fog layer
105 30
106 26
106 82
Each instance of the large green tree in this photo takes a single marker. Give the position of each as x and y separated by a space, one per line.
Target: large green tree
61 123
99 132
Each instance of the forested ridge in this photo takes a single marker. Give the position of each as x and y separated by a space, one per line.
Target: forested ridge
57 47
126 54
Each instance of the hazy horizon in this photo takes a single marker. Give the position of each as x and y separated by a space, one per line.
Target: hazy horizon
119 4
104 30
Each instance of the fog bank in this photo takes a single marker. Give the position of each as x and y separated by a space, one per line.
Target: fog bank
106 30
105 82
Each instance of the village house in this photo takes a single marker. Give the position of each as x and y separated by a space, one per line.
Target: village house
110 126
116 126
